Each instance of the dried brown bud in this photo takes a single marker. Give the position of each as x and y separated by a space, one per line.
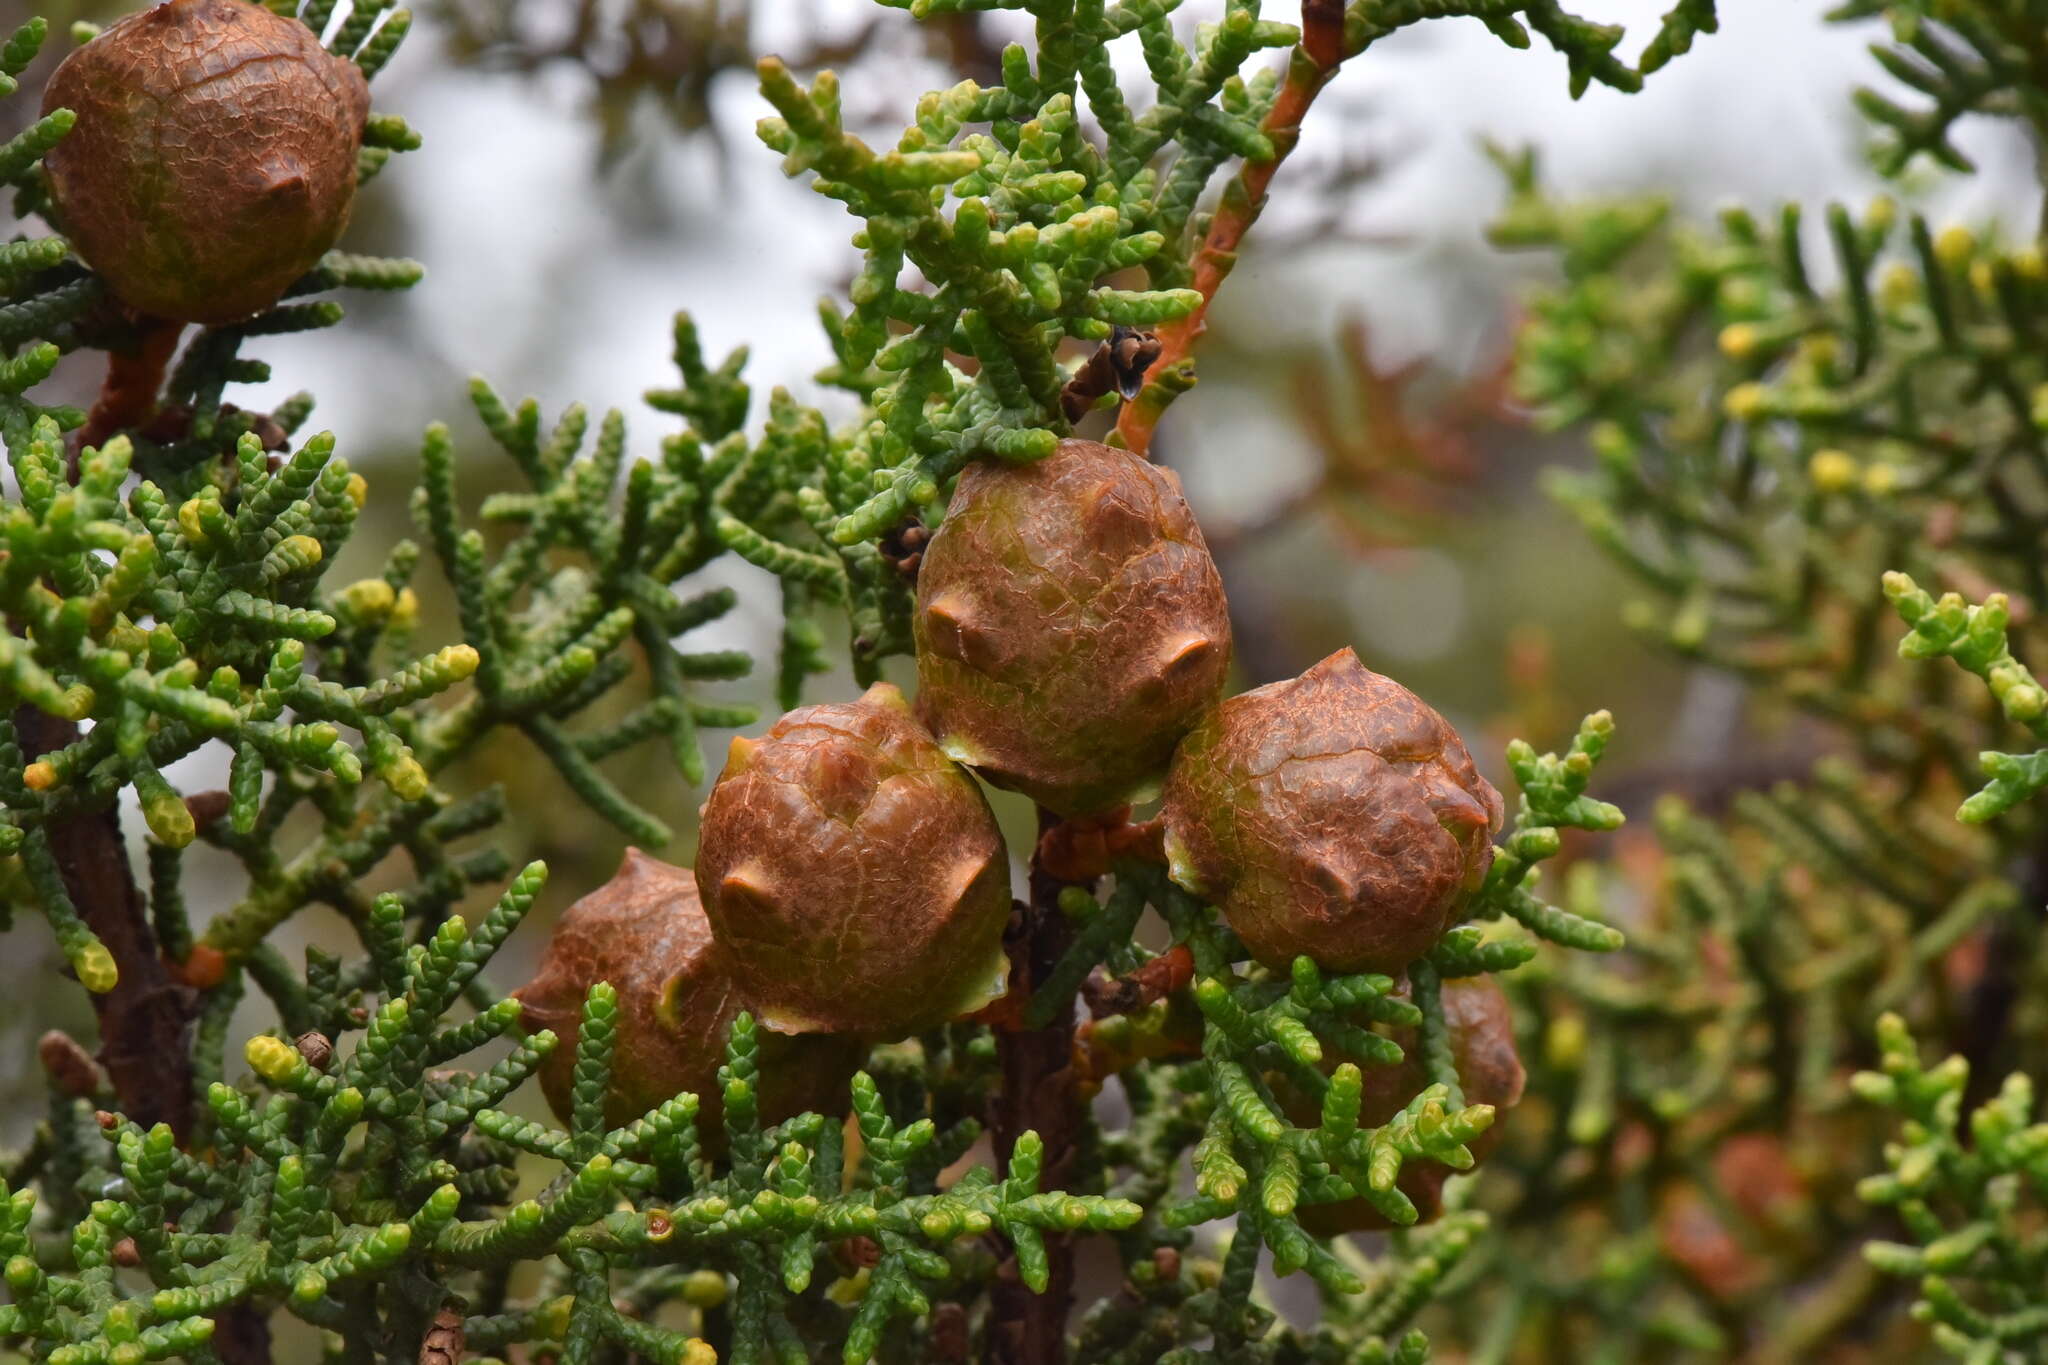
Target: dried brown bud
1334 816
445 1342
214 157
645 933
857 1253
950 1338
853 874
126 1253
206 808
316 1048
1481 1029
69 1066
1070 626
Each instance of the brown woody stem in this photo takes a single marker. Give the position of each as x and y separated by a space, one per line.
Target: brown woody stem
145 1018
1040 1095
1309 67
128 395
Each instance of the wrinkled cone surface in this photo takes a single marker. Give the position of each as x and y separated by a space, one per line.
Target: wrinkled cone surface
1334 816
645 933
214 158
1070 626
853 874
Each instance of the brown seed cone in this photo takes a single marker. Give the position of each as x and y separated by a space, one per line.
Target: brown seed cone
645 933
1070 626
214 157
1481 1029
854 875
1333 816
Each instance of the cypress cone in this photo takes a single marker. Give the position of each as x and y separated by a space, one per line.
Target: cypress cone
1070 626
645 933
853 874
1481 1029
213 161
1334 816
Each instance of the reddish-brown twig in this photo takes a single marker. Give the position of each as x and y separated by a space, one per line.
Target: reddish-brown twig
128 395
1309 67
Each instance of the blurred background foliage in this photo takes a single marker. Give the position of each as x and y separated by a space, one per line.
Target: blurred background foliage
1368 473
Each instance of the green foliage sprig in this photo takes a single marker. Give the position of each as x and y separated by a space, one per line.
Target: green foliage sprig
1968 1201
1775 425
1959 60
365 1193
1975 637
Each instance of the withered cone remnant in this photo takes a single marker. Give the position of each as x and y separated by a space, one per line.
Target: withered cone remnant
645 933
1481 1030
854 874
1070 626
213 161
1334 816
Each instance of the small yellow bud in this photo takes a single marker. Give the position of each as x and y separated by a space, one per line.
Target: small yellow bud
1898 285
407 609
358 489
1882 212
1982 278
406 778
1738 340
96 969
272 1058
367 600
1564 1042
39 776
704 1289
1745 402
848 1289
1833 471
1880 480
1954 245
2029 264
551 1319
303 549
169 819
1819 348
1611 442
189 522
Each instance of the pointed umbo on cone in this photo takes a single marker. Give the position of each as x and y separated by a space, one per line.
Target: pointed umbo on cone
1334 816
213 161
1070 626
645 933
854 874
